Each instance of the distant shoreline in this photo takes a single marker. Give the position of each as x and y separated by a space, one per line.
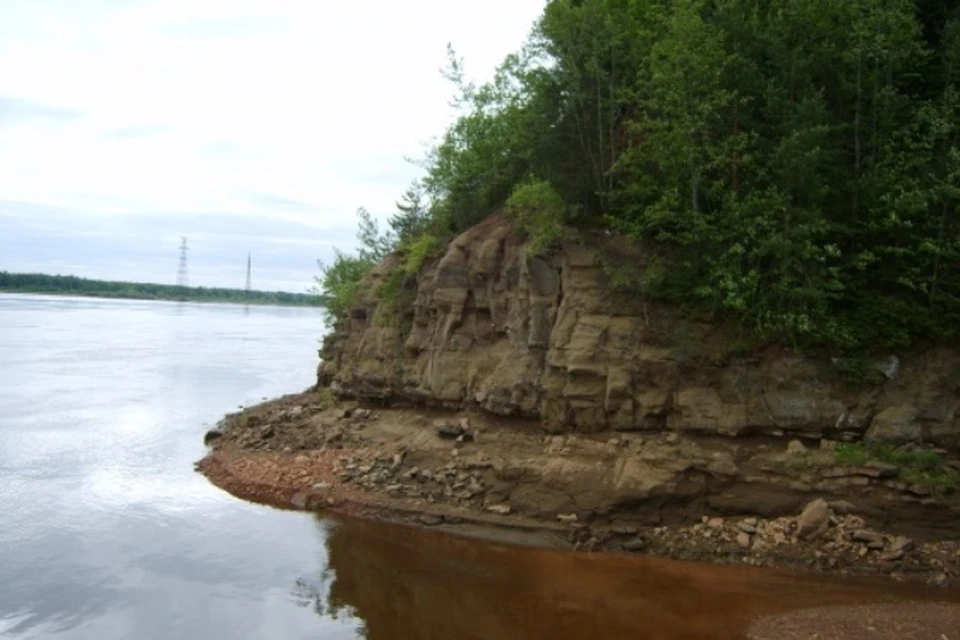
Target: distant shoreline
40 284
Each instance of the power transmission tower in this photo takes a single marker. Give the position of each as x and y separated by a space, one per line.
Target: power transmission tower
183 279
248 276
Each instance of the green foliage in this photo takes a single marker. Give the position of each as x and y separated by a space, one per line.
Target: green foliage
538 211
72 285
795 165
858 371
339 283
418 251
917 466
411 218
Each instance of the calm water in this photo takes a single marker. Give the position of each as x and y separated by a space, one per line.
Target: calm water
106 531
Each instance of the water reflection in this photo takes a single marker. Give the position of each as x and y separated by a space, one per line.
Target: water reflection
416 584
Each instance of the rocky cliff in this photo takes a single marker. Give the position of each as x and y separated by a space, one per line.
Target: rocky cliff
551 338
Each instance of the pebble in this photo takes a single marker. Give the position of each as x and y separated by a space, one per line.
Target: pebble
502 509
743 539
637 544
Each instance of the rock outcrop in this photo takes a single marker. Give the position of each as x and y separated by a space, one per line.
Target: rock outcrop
552 338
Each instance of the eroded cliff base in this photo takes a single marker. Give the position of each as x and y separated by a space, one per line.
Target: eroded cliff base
759 501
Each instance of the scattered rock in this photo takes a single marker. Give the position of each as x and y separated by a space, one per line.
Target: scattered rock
267 431
449 431
567 517
920 490
715 523
747 528
891 556
814 520
635 545
795 447
621 530
321 486
743 539
501 509
430 520
842 507
299 500
868 537
900 544
343 414
212 435
673 438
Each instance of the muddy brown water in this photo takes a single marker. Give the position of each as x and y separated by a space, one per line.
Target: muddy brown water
414 583
106 531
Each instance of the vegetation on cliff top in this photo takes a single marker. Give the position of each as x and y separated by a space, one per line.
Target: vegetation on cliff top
795 163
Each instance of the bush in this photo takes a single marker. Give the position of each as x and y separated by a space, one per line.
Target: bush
418 252
339 282
538 212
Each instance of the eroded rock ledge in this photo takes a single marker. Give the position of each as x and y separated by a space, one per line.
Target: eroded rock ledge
750 500
551 338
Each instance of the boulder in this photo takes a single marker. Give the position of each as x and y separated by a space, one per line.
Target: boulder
814 520
795 447
895 425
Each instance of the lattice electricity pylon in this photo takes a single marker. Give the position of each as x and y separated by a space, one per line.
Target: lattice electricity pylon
248 276
183 278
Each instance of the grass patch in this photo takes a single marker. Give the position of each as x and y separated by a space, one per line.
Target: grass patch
921 466
858 372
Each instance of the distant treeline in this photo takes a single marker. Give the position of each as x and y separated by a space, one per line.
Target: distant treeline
72 285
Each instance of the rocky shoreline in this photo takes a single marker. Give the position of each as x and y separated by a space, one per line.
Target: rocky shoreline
758 502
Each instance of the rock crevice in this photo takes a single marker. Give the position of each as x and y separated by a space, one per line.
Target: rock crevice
551 338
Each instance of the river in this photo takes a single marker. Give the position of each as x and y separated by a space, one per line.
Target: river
107 532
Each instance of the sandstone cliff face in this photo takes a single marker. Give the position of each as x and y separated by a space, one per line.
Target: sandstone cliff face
550 338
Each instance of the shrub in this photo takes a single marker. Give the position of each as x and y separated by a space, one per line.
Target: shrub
418 252
538 212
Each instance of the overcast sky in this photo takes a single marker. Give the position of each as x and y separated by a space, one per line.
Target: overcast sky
246 125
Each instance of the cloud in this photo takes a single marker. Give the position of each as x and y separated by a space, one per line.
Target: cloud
296 112
279 203
15 111
138 131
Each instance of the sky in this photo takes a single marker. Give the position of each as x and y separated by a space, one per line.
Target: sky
246 125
